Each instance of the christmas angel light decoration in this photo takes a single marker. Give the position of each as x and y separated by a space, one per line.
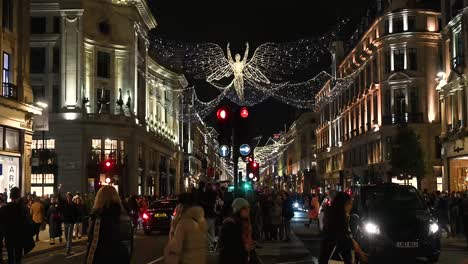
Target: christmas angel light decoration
269 63
239 67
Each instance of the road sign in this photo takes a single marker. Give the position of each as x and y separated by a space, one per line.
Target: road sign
224 151
244 149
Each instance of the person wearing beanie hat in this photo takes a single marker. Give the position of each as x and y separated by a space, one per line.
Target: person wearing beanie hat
239 203
236 245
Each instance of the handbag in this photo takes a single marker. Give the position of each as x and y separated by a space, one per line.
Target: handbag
331 261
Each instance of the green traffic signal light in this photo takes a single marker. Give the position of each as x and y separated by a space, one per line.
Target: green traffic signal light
247 186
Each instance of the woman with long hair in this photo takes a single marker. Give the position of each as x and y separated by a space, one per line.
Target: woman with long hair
338 243
110 233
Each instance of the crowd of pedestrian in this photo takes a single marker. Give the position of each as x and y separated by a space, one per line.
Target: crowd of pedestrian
206 219
210 219
451 210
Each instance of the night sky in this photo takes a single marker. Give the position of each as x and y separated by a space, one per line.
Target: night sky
256 22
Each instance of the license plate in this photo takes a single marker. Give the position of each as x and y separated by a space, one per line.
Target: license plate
160 215
407 244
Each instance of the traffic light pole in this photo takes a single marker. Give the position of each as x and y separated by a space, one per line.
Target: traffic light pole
235 154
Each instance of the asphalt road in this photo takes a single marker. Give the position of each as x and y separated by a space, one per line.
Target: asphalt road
454 250
148 250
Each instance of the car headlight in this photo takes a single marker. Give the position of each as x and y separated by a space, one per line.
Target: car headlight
372 228
433 228
296 205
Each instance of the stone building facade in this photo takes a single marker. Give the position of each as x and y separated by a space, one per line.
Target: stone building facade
112 112
452 89
16 99
392 61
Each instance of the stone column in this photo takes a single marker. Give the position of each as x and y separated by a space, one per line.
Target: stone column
158 174
71 56
463 100
168 176
443 117
144 180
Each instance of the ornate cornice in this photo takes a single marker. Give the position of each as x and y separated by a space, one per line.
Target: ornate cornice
143 10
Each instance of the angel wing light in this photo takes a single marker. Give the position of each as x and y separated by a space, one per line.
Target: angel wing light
240 68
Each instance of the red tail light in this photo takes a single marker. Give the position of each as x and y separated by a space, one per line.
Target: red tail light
145 216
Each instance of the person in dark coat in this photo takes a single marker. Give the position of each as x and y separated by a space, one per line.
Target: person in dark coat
110 233
69 213
17 227
54 219
236 245
288 214
338 242
441 207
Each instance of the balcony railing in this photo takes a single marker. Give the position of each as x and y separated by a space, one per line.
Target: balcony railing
10 91
403 118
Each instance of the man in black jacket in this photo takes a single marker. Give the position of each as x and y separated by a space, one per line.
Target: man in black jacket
16 224
69 218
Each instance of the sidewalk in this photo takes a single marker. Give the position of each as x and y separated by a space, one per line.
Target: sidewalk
454 251
43 246
278 252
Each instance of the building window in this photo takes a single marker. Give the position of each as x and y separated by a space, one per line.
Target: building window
376 109
12 139
387 27
398 59
388 62
412 59
8 14
457 48
399 101
55 98
122 152
96 150
103 64
56 60
38 60
38 25
43 144
110 149
38 92
104 27
369 121
103 100
375 69
438 148
388 103
57 24
411 23
6 67
398 25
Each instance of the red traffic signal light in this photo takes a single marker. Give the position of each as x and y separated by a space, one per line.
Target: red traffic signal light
255 164
222 114
108 164
244 112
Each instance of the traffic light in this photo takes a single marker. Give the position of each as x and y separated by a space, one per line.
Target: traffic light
222 114
252 170
244 112
247 186
108 165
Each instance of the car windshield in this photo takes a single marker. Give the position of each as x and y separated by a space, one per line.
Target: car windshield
171 204
383 198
